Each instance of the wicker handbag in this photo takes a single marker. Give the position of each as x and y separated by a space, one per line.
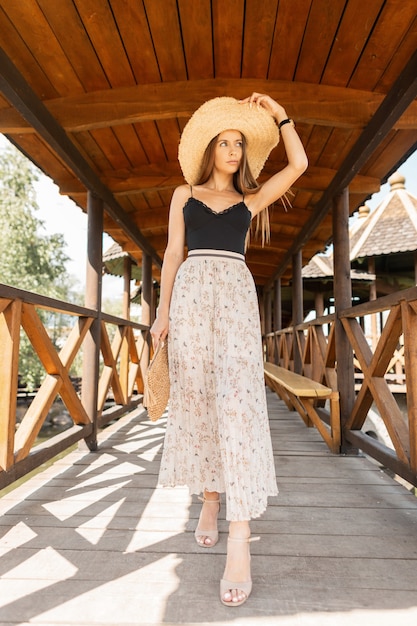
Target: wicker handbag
156 394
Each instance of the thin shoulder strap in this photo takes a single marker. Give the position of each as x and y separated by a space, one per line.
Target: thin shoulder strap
191 190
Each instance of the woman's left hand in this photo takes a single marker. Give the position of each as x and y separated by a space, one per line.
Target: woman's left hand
267 103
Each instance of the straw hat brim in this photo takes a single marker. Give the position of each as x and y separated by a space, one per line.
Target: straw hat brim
220 114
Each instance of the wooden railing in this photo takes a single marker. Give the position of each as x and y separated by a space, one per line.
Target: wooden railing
123 360
376 367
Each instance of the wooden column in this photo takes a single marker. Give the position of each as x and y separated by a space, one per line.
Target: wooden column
268 311
297 306
260 294
277 314
319 303
415 268
124 351
277 305
9 377
146 305
91 358
127 277
154 299
343 300
268 324
372 296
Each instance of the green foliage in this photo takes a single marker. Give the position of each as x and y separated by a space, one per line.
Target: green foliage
30 259
113 306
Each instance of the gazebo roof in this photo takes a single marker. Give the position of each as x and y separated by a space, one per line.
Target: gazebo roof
113 262
320 267
391 227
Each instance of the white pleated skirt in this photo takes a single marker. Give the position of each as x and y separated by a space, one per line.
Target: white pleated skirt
217 436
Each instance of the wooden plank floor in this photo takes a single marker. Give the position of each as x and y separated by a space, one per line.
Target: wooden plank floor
91 541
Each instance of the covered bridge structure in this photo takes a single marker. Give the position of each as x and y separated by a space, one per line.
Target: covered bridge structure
96 93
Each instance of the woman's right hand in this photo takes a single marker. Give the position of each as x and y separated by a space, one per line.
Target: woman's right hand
159 329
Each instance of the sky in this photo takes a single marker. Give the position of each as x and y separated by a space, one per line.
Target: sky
409 171
62 215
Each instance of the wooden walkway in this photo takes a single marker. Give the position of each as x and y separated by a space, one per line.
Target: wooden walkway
91 541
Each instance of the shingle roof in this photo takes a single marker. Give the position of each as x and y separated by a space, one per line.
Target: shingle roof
391 228
114 252
321 266
113 262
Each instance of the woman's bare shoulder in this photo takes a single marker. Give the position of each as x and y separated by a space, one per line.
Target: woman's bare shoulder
181 192
179 199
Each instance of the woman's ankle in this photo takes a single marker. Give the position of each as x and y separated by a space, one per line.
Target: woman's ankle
239 530
211 496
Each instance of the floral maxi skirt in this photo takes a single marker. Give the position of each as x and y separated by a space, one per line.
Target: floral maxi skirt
217 435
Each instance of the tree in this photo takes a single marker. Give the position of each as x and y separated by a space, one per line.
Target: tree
30 259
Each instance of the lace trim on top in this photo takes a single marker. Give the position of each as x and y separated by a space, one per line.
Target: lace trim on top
210 210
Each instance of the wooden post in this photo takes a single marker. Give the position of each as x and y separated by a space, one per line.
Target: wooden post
297 306
268 311
268 324
124 351
277 305
343 300
127 277
372 296
154 299
146 302
260 294
319 303
10 320
277 314
91 358
415 268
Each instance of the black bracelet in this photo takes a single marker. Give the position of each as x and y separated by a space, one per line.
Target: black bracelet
287 121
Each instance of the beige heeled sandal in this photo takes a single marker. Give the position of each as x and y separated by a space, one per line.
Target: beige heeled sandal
229 585
213 535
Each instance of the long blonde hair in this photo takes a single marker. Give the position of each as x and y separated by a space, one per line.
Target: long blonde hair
244 183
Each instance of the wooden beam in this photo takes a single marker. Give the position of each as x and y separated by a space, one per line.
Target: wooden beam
45 302
168 175
381 453
44 452
260 269
23 98
398 99
155 177
324 105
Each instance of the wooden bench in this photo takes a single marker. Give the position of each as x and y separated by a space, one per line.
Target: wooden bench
304 395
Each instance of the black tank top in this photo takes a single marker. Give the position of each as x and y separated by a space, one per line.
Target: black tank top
206 229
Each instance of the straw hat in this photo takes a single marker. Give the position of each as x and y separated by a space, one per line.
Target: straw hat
220 114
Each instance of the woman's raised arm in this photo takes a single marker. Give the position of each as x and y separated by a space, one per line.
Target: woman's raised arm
279 183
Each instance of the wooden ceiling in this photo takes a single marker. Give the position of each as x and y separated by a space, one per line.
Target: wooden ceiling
96 93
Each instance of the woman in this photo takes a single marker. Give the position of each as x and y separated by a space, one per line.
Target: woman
217 438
